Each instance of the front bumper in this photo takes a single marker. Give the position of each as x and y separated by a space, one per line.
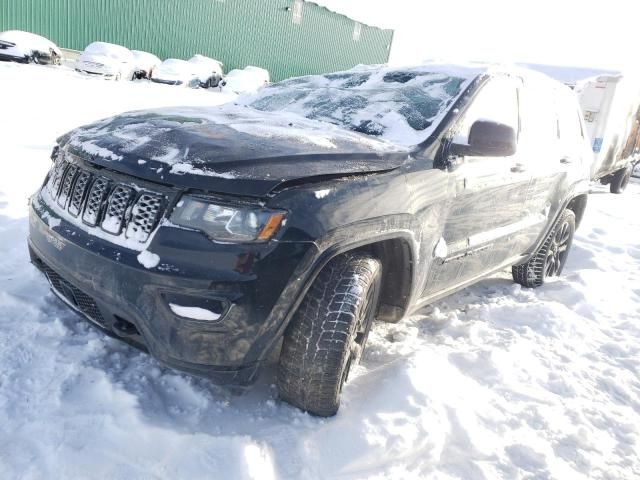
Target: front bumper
166 82
106 283
95 73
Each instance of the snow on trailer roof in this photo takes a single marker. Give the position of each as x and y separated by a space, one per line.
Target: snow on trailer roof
401 105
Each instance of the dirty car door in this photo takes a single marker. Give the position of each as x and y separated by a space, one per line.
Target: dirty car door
486 212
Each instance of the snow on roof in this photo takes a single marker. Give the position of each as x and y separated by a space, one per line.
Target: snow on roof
28 41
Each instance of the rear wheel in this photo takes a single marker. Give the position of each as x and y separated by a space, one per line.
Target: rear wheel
551 257
328 333
620 180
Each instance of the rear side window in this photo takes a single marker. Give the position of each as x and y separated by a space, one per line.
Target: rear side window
539 115
569 117
497 102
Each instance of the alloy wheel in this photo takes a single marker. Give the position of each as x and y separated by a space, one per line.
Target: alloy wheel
558 249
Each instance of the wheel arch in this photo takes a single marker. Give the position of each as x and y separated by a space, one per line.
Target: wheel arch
395 252
397 276
578 205
394 248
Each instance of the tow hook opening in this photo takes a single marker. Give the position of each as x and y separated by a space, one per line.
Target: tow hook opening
124 328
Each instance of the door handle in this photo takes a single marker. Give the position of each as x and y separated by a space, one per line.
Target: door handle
518 168
565 160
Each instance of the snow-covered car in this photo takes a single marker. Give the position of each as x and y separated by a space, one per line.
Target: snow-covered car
144 63
174 71
113 62
208 70
197 72
26 47
246 80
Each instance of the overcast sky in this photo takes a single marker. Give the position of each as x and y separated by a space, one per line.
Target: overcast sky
603 34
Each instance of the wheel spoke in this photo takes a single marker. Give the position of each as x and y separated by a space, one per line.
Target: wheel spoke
550 264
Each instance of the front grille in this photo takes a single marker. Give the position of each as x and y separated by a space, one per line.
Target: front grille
73 295
114 206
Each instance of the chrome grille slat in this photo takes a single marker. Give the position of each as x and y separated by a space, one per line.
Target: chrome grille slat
95 199
67 182
56 177
100 202
143 216
75 205
114 216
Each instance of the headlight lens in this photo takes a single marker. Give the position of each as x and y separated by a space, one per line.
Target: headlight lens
227 223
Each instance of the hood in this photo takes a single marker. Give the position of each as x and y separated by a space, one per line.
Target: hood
100 61
230 149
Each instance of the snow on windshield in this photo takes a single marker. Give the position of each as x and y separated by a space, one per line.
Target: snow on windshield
175 64
111 50
403 106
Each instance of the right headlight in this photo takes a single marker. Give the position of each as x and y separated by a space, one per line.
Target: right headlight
227 223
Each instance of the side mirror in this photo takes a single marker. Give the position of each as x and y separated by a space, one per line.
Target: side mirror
488 139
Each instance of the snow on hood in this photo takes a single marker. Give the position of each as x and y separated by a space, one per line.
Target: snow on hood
26 42
104 63
174 69
194 146
137 129
402 105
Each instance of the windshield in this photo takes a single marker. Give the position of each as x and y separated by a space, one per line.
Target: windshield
400 105
174 63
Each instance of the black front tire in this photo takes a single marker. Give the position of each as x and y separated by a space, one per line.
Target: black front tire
551 257
621 180
328 333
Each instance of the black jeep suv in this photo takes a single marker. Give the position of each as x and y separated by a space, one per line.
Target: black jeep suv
211 237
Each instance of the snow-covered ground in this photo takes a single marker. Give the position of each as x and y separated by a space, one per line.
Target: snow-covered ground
495 382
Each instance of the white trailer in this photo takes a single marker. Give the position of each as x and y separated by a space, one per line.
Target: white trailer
611 108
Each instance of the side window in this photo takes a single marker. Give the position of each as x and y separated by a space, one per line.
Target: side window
497 101
539 112
569 119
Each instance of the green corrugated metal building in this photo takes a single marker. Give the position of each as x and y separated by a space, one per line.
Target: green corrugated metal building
287 37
